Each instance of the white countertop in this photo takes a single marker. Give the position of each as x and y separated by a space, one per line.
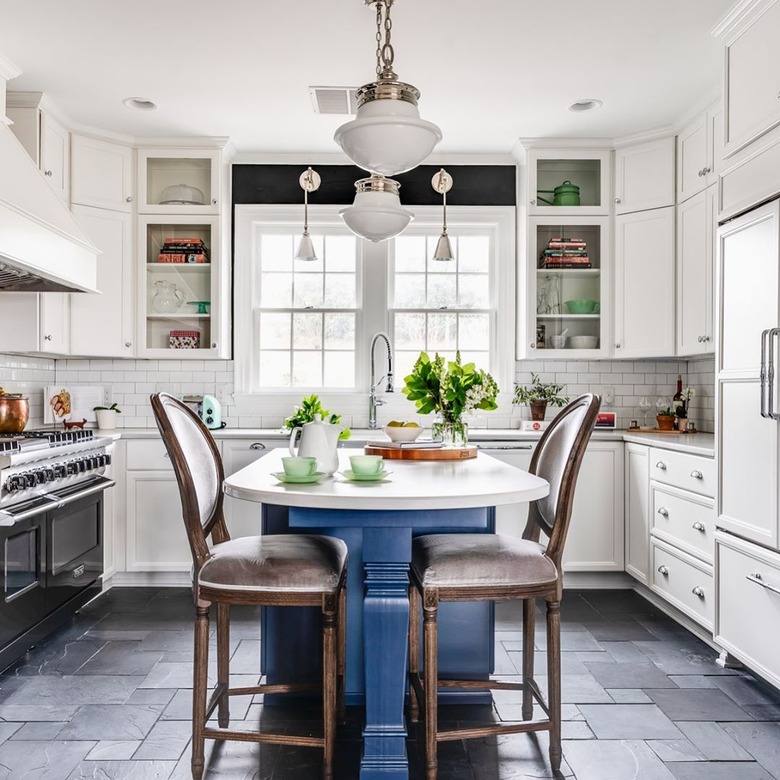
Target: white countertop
454 484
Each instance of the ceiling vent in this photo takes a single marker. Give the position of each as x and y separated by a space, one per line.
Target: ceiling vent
334 100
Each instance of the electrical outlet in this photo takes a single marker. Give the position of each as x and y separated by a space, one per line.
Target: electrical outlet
608 396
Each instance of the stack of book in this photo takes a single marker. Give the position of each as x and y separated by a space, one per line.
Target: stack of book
565 253
183 250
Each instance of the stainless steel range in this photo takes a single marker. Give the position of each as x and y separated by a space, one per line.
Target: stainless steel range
51 531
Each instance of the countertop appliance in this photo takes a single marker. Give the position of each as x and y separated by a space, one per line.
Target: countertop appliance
51 531
207 408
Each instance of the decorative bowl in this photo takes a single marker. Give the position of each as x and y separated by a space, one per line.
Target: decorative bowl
583 342
402 433
580 306
558 342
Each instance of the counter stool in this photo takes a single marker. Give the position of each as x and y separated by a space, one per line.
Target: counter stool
487 567
294 570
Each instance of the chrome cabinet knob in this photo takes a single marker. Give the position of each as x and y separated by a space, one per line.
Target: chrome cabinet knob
128 343
705 338
617 200
698 591
129 199
214 345
696 474
706 170
617 346
663 511
48 173
214 201
663 570
697 526
700 173
47 337
700 339
661 465
533 202
532 345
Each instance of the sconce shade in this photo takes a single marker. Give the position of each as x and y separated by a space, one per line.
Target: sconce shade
443 248
306 249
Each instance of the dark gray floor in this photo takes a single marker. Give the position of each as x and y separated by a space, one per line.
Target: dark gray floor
109 697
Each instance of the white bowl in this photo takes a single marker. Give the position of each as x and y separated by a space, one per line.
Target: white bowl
400 433
558 342
583 342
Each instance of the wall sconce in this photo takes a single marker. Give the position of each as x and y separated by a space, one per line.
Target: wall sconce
310 182
442 183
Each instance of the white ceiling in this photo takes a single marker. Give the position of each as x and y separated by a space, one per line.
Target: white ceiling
490 71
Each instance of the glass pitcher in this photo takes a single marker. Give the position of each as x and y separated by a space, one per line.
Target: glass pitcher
167 299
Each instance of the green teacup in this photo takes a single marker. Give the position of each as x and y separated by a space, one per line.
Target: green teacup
299 467
367 465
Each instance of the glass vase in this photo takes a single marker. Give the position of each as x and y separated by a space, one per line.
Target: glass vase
450 431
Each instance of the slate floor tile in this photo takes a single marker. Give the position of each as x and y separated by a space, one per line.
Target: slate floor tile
166 741
761 740
626 630
120 658
687 770
697 704
614 760
579 688
628 696
636 675
683 658
7 730
39 731
113 750
675 750
623 652
744 689
122 770
111 721
629 721
694 680
47 760
713 742
73 690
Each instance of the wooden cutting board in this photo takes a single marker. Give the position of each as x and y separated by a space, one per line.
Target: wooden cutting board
430 453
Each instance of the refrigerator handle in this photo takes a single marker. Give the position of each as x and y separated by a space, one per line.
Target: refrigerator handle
762 373
770 375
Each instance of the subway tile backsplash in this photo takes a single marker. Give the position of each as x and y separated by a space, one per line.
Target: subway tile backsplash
130 383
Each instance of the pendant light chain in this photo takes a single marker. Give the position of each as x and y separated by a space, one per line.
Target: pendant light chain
385 54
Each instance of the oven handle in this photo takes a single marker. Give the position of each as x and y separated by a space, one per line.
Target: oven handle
9 518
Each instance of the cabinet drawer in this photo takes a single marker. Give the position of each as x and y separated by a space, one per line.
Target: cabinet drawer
748 622
683 581
147 455
684 519
689 472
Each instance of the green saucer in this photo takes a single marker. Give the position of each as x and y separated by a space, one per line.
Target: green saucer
304 479
350 475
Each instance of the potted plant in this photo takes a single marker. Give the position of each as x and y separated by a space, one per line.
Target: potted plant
106 416
665 419
304 413
451 389
538 395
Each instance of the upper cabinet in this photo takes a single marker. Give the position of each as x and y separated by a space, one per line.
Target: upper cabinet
105 174
752 73
568 180
179 181
699 153
644 176
44 137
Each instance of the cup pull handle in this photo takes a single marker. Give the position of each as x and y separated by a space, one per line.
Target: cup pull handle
696 474
698 591
697 526
663 570
663 511
661 465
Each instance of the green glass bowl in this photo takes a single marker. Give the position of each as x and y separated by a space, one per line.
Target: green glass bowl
580 306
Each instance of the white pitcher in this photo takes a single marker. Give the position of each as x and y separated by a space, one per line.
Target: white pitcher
319 440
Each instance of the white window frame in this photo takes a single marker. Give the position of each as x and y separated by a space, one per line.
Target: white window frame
373 314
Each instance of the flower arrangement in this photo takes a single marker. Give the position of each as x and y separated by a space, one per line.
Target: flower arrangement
449 387
305 412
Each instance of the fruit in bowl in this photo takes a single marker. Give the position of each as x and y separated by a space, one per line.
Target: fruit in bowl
397 430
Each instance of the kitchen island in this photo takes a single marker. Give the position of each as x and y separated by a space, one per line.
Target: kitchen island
378 520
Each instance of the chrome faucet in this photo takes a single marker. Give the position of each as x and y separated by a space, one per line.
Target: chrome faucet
373 401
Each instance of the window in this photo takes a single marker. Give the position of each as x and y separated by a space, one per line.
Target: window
312 322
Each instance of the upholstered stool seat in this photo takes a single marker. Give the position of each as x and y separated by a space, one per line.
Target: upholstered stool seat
287 562
285 570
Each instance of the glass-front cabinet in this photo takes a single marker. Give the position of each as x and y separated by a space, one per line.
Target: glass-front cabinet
179 287
566 300
180 181
570 180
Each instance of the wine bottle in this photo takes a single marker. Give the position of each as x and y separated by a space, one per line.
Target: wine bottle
678 403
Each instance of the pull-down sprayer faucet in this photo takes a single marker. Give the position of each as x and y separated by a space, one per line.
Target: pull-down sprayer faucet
373 401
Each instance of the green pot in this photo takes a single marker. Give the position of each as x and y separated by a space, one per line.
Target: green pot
566 194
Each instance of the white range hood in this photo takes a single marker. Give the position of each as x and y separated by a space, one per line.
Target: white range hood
42 247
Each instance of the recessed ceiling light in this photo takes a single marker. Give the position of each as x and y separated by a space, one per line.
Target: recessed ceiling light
142 104
586 105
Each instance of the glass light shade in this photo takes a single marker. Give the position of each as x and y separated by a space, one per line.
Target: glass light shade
388 137
376 216
306 248
443 249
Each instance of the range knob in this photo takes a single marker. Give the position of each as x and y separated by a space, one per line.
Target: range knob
29 479
12 484
60 470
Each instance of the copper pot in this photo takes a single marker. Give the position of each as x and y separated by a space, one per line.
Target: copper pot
14 412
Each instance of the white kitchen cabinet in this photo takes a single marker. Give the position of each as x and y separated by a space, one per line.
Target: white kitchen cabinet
696 225
752 73
699 153
644 284
644 176
580 274
747 441
35 322
595 540
243 517
179 181
45 138
155 537
587 169
102 325
637 477
102 174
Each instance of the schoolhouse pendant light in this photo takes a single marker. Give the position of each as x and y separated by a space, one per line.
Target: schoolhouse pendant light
310 182
377 213
388 136
442 183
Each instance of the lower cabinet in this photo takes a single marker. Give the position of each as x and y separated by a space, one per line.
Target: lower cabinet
637 492
243 517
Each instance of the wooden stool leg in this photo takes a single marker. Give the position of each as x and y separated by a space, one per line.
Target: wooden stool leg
529 624
554 680
341 708
223 663
414 652
199 685
329 682
431 674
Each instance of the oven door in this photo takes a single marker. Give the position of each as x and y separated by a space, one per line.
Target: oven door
75 541
22 572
